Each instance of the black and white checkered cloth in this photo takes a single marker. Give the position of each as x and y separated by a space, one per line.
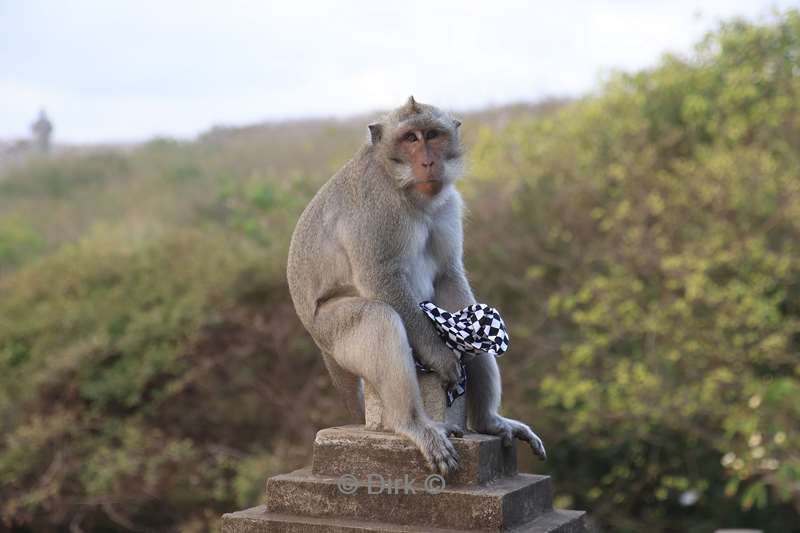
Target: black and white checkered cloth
473 330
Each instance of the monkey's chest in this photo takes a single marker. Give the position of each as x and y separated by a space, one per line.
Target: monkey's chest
422 271
422 263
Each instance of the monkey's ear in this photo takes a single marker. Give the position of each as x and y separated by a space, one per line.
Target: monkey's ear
456 123
375 132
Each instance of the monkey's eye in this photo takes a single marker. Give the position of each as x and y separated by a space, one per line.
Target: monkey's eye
410 137
431 134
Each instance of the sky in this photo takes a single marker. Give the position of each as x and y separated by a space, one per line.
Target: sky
125 71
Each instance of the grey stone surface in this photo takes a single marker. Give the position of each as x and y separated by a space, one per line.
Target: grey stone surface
502 503
433 399
259 520
556 521
358 451
486 494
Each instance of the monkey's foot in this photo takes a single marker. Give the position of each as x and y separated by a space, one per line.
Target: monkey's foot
507 429
436 448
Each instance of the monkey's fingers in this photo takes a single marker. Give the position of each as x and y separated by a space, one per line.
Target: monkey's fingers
450 377
453 429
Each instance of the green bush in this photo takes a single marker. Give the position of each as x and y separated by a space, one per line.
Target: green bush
59 177
658 228
18 242
138 377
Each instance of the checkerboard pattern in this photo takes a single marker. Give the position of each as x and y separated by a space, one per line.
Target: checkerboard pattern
473 330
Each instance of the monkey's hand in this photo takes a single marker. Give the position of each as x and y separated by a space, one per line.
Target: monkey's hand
507 429
445 363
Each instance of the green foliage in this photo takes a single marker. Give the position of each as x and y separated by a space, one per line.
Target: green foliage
660 229
59 178
18 241
256 204
130 368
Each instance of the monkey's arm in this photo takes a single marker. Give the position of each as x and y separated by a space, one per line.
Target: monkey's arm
483 390
452 290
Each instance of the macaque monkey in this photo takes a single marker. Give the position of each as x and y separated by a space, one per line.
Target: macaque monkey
381 236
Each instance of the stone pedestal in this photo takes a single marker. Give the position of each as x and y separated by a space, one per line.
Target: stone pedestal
362 480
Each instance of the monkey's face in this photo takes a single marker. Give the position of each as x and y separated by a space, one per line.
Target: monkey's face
425 156
423 151
420 148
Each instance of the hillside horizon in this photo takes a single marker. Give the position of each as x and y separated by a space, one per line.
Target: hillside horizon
522 106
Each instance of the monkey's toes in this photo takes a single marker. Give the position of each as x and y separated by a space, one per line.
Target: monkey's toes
525 433
439 452
538 447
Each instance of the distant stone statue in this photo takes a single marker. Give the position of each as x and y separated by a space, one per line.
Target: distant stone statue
42 130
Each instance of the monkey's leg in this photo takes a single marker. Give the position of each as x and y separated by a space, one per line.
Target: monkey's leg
349 387
369 340
483 402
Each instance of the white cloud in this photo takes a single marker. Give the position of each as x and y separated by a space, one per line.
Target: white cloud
118 71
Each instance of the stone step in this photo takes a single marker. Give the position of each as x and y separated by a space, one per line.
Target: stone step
360 452
556 521
259 520
502 503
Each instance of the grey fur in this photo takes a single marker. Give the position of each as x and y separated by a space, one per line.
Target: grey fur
366 250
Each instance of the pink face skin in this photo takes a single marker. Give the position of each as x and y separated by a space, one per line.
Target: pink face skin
424 149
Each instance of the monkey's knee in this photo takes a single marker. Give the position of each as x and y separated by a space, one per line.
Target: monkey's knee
376 343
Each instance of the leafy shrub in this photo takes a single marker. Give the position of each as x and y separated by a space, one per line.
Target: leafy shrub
139 380
657 229
18 241
59 177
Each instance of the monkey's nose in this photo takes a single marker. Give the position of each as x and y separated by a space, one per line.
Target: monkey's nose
427 164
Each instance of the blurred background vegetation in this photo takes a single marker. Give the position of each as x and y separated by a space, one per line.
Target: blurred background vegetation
643 244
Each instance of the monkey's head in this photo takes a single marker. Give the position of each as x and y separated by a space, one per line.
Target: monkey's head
419 146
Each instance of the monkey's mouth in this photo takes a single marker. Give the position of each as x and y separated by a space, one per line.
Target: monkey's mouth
423 183
429 187
420 181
